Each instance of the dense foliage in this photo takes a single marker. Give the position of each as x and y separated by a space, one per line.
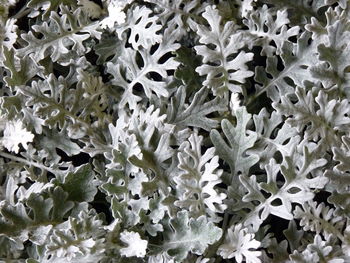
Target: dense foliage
174 131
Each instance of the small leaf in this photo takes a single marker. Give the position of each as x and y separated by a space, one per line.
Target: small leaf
136 246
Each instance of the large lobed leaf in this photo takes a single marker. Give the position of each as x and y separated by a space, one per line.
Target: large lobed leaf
184 235
239 140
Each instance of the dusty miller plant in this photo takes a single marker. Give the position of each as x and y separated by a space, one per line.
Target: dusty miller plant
174 131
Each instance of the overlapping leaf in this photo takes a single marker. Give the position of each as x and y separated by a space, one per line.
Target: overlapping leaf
128 72
60 35
183 235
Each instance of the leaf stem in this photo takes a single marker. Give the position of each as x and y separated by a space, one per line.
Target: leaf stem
21 13
29 163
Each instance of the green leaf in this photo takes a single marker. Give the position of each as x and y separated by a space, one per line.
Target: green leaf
186 71
80 184
107 48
